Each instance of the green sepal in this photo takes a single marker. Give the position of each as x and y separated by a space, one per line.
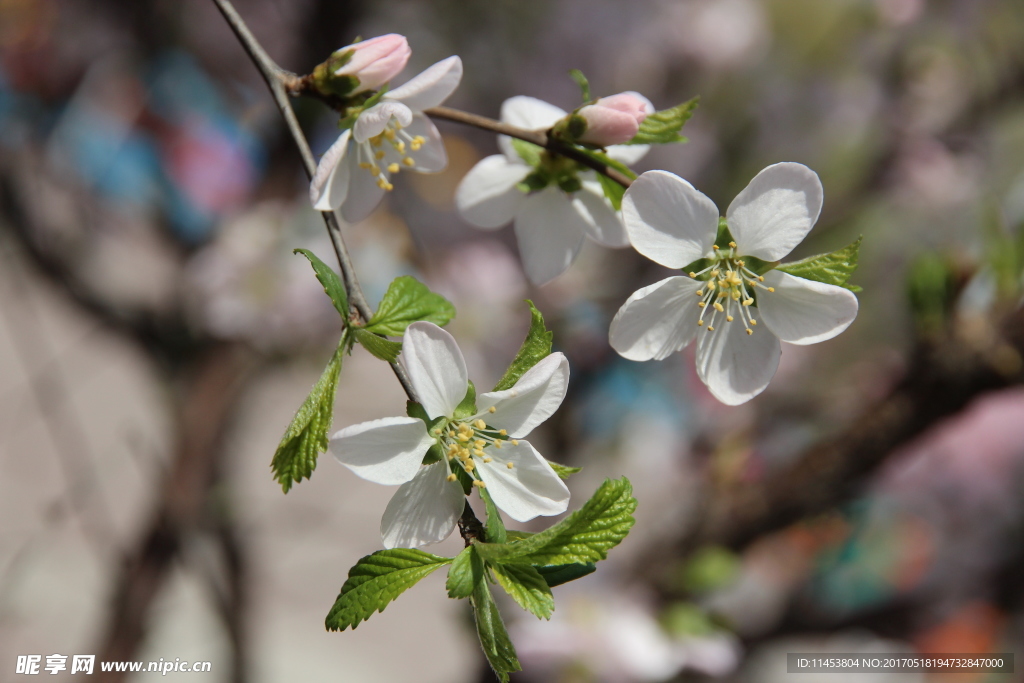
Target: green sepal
434 454
563 471
468 405
535 348
663 126
376 580
537 180
570 184
612 190
526 586
584 536
570 128
495 528
414 409
324 79
832 269
527 151
557 574
331 282
461 576
407 301
581 80
497 646
306 436
382 348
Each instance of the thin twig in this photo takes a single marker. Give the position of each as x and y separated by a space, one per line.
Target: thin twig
537 137
279 81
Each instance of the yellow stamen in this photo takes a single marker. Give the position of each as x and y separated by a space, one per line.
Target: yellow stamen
477 482
514 442
700 323
692 274
719 307
753 322
393 168
700 292
715 247
389 133
710 329
408 161
502 432
771 289
509 465
701 304
732 244
747 302
749 331
379 154
497 444
469 465
728 318
366 165
479 424
487 458
492 409
451 477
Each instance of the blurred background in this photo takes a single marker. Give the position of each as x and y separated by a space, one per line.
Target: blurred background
157 335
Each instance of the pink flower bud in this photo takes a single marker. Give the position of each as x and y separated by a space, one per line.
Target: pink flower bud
616 119
376 61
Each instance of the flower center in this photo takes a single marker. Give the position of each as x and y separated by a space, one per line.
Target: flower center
385 154
466 443
726 288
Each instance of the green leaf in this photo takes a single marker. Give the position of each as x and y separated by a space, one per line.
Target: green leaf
468 405
501 654
527 151
612 190
330 280
376 580
306 436
382 348
557 574
563 471
832 269
495 528
663 126
527 587
584 536
535 348
407 301
461 578
581 80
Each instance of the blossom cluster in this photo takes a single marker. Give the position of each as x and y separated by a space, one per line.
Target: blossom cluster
730 296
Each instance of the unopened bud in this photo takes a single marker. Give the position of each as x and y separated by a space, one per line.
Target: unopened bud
366 65
614 120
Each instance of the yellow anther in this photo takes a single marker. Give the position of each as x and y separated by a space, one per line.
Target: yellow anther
463 436
740 263
502 432
710 329
692 274
700 292
389 133
409 161
760 278
451 477
366 165
750 331
379 154
771 289
417 142
715 272
701 304
479 424
487 458
497 444
384 185
464 454
478 453
728 318
469 465
477 482
753 322
711 285
715 247
375 141
514 442
393 167
479 443
732 244
719 307
700 323
374 169
492 409
509 465
747 302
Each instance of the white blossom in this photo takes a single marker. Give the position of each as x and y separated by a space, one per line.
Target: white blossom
392 135
550 223
488 445
673 224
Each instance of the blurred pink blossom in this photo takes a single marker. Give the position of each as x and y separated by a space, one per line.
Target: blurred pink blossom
376 61
616 119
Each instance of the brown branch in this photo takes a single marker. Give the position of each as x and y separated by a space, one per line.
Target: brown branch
280 81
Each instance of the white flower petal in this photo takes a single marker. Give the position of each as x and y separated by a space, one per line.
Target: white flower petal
550 233
604 225
431 157
657 320
775 211
363 193
667 220
736 366
529 113
628 154
488 197
385 451
330 182
436 368
431 87
801 311
530 401
374 120
423 511
530 488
